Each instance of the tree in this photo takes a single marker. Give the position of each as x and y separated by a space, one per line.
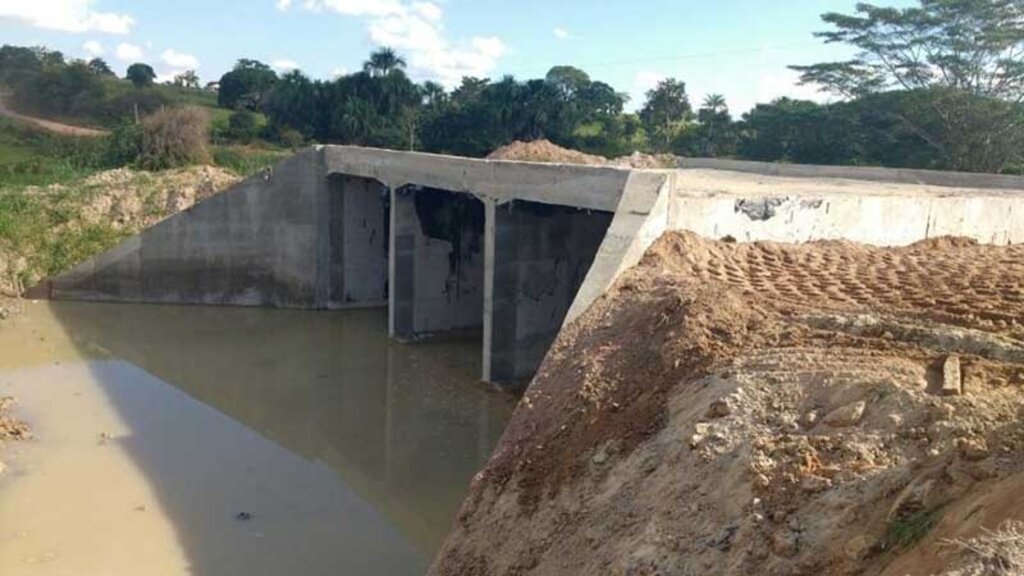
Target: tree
247 85
715 121
434 94
963 59
567 80
800 131
666 108
383 62
141 75
99 67
187 79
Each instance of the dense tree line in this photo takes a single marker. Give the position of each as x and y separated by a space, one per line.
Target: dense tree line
939 85
44 82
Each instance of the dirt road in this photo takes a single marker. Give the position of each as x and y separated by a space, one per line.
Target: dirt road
49 125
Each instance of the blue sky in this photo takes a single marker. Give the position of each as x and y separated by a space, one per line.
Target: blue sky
734 47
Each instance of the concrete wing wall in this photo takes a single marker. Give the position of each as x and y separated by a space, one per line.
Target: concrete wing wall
253 244
753 201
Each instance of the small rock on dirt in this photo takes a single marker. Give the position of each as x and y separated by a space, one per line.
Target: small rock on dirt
720 408
973 449
951 382
845 416
784 543
858 547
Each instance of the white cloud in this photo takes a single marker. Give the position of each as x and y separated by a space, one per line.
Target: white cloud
66 16
416 30
93 48
339 72
561 33
128 52
357 7
284 65
167 77
179 60
643 81
772 84
283 5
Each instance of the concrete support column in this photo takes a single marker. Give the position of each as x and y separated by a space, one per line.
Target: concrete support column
537 256
402 264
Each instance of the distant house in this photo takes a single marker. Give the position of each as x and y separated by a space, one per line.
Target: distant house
213 87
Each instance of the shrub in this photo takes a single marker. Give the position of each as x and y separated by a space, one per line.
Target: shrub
291 138
175 137
242 127
124 145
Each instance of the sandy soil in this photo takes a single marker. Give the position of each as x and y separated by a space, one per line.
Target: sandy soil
49 125
766 409
545 151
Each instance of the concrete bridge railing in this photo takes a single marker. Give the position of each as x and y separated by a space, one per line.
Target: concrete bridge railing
508 249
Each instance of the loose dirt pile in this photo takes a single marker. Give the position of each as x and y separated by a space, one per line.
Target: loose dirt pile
545 151
134 200
766 409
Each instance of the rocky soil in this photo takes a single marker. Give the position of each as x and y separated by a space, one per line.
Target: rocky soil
545 151
11 429
827 408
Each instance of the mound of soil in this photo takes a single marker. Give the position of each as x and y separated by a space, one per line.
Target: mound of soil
827 408
130 199
545 151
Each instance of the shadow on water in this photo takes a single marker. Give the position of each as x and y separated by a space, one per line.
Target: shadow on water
379 439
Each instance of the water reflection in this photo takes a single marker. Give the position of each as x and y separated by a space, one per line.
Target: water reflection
404 427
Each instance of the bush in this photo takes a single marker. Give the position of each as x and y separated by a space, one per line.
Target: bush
242 127
124 145
175 137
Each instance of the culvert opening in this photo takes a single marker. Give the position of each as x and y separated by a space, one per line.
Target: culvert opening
438 263
358 223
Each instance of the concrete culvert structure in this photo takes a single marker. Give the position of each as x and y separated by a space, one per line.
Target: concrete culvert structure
511 249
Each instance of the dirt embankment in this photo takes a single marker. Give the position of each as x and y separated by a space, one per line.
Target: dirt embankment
545 151
769 409
107 205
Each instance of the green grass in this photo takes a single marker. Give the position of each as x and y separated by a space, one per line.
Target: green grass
906 532
29 157
248 160
41 228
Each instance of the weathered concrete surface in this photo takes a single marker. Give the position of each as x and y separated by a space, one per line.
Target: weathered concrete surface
358 251
457 243
260 243
540 256
437 268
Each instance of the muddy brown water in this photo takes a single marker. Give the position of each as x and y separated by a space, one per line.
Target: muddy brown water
224 441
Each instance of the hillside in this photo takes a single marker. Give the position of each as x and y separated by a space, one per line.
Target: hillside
729 409
47 125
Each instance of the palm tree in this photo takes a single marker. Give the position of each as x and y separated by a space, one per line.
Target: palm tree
714 104
433 93
383 62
